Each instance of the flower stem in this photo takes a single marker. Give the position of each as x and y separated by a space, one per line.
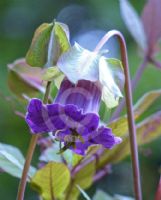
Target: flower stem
32 145
129 104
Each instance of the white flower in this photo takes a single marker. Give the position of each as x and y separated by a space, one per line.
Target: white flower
81 64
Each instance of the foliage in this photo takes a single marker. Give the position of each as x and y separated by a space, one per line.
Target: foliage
12 161
133 23
50 58
57 178
25 80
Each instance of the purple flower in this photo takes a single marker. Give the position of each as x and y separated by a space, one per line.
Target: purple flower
73 117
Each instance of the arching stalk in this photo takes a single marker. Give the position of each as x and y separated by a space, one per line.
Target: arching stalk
129 105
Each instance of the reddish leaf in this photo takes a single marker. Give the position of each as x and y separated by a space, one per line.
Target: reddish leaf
23 79
151 20
133 23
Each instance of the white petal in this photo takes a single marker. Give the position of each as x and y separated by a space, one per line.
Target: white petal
79 63
107 77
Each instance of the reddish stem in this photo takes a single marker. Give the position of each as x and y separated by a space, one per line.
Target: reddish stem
31 149
129 104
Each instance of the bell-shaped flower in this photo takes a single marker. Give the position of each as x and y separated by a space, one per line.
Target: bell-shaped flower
81 64
73 117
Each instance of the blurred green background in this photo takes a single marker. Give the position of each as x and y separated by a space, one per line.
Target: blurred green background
88 20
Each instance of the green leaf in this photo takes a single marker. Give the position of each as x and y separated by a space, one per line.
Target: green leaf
120 126
49 42
52 180
25 80
111 76
58 44
58 80
53 74
147 131
76 159
71 157
146 101
92 150
116 154
62 35
100 195
133 23
12 161
83 178
140 107
37 53
79 63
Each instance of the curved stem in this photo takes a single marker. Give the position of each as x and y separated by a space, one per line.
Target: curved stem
129 104
32 145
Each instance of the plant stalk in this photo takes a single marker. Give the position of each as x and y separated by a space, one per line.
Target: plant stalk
32 145
129 104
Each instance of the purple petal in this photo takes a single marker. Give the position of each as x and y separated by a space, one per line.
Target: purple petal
34 116
44 118
86 95
73 112
80 148
105 137
91 121
64 135
88 125
76 120
56 116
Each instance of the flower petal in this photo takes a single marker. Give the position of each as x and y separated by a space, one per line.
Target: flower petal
80 148
44 118
110 76
79 63
53 117
65 135
79 121
86 95
105 137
